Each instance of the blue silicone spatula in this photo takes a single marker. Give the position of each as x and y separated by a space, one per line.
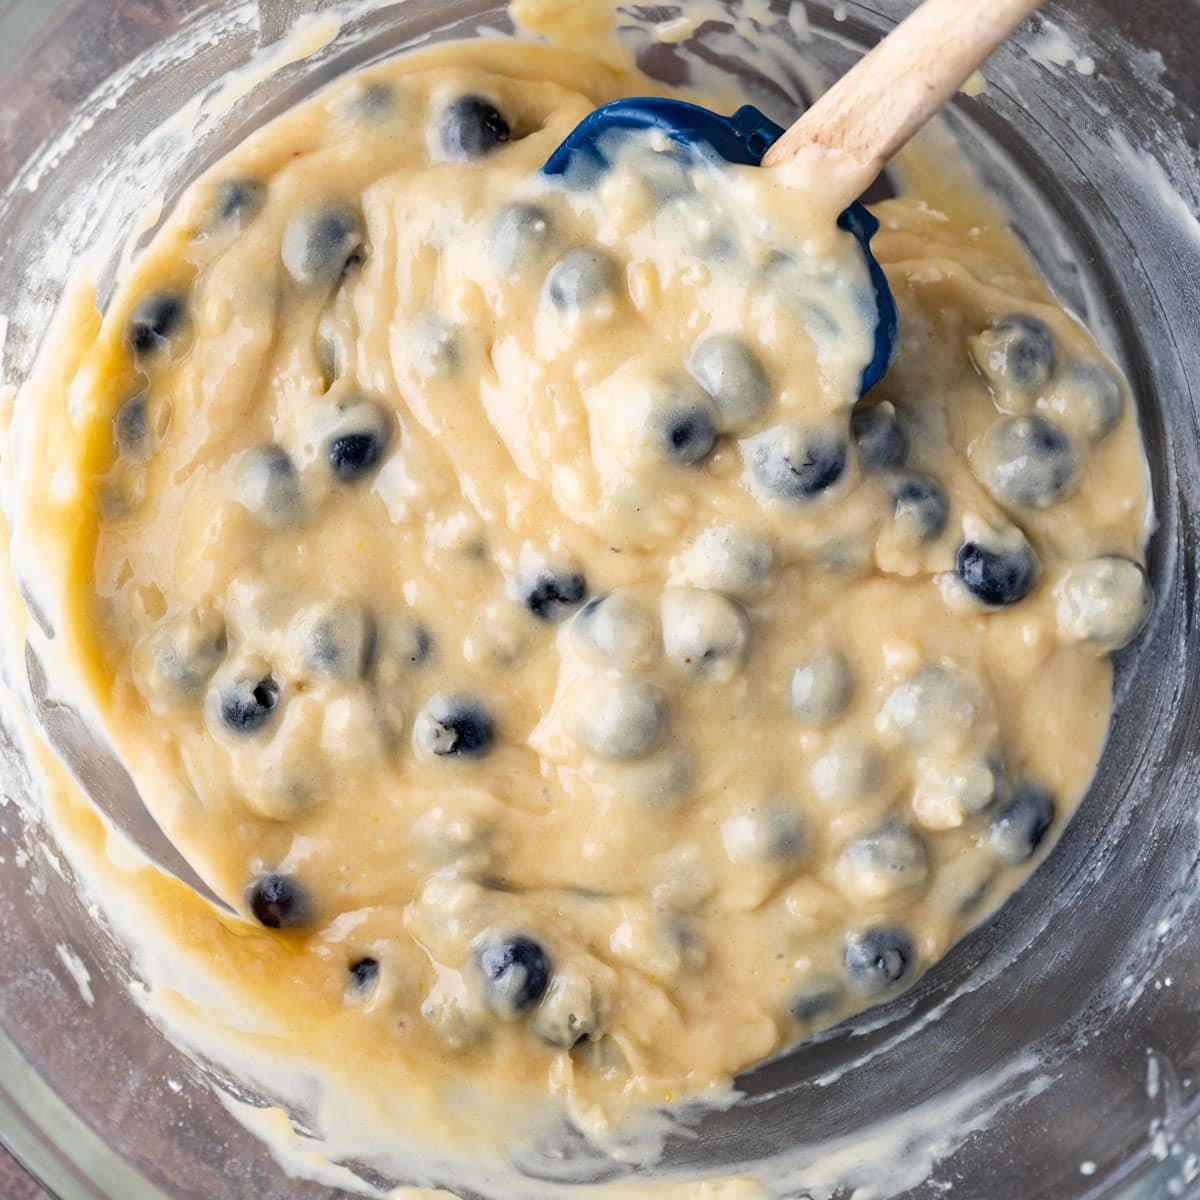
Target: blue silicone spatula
856 127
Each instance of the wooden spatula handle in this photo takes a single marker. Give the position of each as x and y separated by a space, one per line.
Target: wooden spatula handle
892 91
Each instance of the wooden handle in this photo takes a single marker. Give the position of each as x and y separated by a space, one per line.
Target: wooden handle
890 93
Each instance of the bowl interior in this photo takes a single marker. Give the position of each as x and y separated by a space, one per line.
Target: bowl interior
993 1065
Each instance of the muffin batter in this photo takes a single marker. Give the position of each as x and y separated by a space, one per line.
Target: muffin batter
500 592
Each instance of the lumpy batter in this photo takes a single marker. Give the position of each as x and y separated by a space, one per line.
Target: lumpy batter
500 592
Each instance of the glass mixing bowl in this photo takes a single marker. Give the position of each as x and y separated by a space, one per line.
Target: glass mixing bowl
1056 1051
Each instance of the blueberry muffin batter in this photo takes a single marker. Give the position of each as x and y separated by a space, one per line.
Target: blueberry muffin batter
501 593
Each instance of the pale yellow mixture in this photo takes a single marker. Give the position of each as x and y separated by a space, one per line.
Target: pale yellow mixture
500 593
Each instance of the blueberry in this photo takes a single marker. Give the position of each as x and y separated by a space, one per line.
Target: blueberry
1026 461
728 559
185 654
848 772
364 972
816 1001
920 506
516 973
240 200
881 440
1019 826
360 434
569 1012
685 432
937 706
452 726
352 455
439 346
279 902
705 634
155 321
997 575
268 485
822 689
552 595
733 375
374 102
1017 351
882 864
521 235
130 424
472 127
583 279
798 464
619 718
402 640
1090 398
320 244
773 834
1103 603
338 640
877 958
249 704
616 629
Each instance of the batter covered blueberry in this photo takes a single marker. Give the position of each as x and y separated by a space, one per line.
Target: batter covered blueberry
497 586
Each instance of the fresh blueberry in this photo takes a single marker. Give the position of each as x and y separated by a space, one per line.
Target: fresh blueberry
920 506
798 464
451 726
997 575
616 629
1026 461
936 706
155 321
619 718
319 245
131 425
374 102
734 376
822 689
816 1001
705 634
521 235
569 1012
352 455
552 595
338 641
406 640
364 972
877 958
249 704
186 653
1103 602
685 432
775 833
1090 398
1019 826
881 440
1017 351
360 435
472 127
516 973
268 485
439 346
728 559
279 902
889 861
582 279
240 200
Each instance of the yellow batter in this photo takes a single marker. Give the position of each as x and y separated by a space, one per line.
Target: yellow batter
499 595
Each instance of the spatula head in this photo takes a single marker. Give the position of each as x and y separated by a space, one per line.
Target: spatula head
742 138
